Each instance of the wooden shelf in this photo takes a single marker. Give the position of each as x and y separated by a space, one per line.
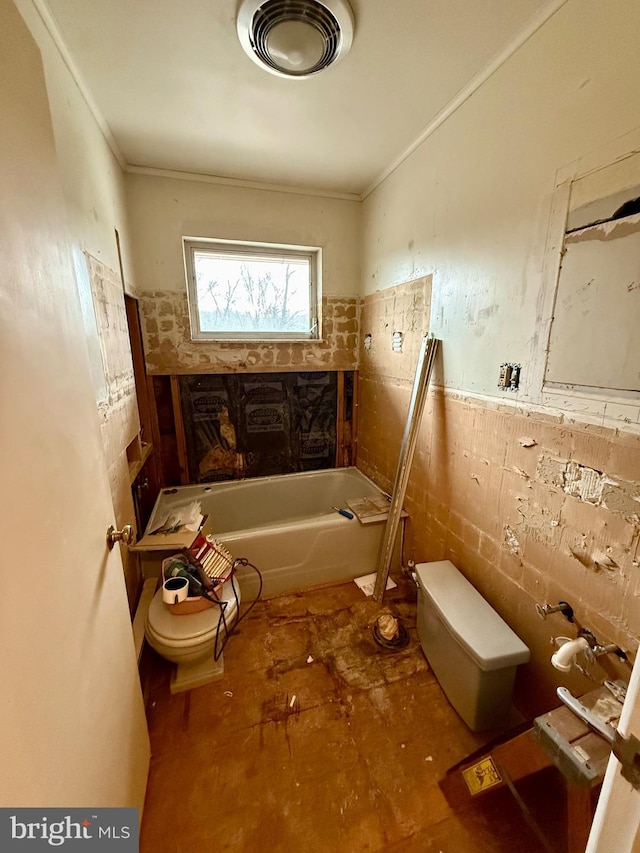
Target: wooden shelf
144 450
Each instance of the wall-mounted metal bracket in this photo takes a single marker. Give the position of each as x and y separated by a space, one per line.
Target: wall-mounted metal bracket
625 749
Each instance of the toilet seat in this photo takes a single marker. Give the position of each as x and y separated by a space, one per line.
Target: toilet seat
193 642
185 630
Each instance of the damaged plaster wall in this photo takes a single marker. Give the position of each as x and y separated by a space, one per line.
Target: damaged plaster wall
593 341
594 487
472 203
553 519
170 350
164 210
118 410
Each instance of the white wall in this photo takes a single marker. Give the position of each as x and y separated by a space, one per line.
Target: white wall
93 181
163 210
95 205
472 204
72 721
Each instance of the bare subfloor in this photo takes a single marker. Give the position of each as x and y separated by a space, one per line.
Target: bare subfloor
316 739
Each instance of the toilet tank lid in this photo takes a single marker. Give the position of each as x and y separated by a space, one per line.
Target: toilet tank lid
470 618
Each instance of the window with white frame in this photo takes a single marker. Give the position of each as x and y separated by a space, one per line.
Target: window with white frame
252 291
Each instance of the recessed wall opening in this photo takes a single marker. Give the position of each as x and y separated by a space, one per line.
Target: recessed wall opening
593 342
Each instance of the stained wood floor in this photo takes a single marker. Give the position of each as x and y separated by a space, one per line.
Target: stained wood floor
351 764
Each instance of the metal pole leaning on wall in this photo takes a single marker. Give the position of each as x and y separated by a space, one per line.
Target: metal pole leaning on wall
424 367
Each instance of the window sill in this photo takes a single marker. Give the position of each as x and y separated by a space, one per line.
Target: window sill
254 341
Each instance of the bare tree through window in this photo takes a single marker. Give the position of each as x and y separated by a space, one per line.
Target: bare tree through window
252 291
253 296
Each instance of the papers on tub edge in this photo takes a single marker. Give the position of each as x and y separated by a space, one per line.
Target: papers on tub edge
367 583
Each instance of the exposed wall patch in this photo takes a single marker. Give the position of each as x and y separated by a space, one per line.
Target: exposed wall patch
622 497
551 471
510 540
584 483
591 486
537 517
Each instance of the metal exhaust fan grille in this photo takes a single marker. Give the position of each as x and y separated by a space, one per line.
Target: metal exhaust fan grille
273 13
327 34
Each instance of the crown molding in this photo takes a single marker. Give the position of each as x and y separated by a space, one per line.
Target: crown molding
471 87
238 182
537 21
45 14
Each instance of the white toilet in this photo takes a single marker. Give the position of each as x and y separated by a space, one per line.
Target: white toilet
189 640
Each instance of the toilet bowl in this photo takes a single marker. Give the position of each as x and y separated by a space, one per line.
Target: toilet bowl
189 641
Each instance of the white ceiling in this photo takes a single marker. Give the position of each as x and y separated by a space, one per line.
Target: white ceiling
177 91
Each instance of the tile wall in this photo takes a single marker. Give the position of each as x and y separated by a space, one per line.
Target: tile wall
170 350
531 508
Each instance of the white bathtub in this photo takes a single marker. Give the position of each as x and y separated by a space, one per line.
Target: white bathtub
285 525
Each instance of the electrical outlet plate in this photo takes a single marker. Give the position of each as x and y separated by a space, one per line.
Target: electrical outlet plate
509 377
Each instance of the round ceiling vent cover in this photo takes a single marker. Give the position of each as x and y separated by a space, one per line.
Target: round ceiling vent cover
295 38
